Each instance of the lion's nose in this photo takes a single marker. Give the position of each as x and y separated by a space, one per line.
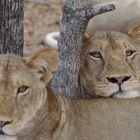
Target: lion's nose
118 80
3 123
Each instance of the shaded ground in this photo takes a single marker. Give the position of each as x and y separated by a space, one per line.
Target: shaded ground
39 19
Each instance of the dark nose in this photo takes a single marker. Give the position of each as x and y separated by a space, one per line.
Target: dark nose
3 123
118 80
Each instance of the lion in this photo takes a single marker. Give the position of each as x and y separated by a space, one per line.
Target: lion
29 110
110 64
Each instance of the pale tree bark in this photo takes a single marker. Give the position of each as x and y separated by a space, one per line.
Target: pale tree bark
76 15
11 26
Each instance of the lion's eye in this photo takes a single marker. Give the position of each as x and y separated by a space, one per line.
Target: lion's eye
95 55
130 53
23 89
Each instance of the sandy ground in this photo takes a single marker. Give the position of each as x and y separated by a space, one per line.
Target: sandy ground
39 19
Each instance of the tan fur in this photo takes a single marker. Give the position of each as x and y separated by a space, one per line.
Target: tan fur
36 114
134 33
112 46
39 114
37 62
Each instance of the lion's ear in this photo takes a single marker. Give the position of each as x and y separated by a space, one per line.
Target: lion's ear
44 62
86 38
134 32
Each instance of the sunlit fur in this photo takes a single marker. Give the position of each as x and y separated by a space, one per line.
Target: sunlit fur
112 46
20 108
36 113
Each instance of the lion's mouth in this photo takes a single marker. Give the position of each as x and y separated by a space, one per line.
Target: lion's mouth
2 133
120 91
125 94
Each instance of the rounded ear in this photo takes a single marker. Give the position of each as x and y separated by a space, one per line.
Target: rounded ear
86 38
134 32
44 62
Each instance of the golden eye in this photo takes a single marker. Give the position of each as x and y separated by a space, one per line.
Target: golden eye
96 55
130 53
23 89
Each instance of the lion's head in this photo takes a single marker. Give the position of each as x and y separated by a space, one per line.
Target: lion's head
110 64
23 88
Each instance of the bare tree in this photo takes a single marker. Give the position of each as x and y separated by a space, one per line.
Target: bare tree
76 15
11 26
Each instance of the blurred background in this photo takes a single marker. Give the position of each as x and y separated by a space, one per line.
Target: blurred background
40 17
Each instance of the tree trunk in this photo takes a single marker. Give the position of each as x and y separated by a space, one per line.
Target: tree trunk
11 26
76 15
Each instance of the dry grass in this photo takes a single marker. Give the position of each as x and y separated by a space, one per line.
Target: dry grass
40 19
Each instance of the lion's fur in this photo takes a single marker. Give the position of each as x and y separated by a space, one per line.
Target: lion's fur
39 114
112 45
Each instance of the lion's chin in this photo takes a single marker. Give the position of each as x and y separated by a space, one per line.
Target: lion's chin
11 131
8 134
5 137
127 94
119 94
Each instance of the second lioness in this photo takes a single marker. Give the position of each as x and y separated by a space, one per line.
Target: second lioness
110 64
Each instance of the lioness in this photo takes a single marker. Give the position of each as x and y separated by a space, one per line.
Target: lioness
30 111
110 64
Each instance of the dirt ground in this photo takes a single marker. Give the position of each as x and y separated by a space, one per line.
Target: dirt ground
39 19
